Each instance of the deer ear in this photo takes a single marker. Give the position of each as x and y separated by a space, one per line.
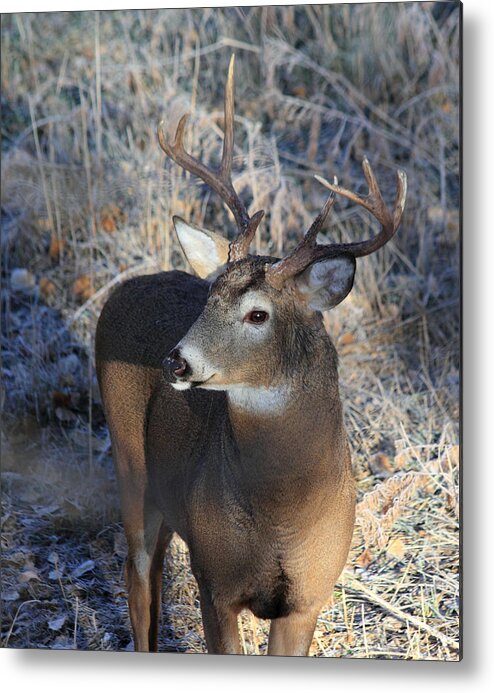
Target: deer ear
326 283
205 250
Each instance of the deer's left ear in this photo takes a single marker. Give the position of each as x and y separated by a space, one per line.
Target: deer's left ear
205 250
326 283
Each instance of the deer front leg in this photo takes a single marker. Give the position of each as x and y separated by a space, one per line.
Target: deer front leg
220 625
156 576
292 635
147 540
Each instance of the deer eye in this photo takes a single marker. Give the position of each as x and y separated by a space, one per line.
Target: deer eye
256 317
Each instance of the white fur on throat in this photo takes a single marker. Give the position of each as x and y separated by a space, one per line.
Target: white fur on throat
255 400
260 400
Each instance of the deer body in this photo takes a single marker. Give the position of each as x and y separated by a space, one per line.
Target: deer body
260 490
235 440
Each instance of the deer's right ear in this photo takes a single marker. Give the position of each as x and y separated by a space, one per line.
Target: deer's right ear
205 250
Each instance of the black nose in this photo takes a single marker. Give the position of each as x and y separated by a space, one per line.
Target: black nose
175 363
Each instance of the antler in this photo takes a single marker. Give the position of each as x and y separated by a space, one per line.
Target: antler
308 251
219 180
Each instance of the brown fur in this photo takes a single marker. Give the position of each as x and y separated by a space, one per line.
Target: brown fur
265 503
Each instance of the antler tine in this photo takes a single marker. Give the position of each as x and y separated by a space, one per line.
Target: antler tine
318 223
239 247
373 203
227 157
218 180
308 251
302 255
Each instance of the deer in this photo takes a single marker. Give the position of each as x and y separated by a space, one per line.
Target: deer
222 401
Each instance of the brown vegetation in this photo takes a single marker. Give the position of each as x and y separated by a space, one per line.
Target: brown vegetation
87 200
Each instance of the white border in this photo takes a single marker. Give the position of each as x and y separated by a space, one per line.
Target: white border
40 671
83 5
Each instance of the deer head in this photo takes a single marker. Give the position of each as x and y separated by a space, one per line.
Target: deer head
262 316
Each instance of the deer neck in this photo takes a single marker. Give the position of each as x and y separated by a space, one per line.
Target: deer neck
291 430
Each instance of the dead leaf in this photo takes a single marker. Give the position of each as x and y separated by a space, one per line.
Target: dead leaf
364 559
108 223
396 548
47 288
83 568
22 279
83 287
380 465
300 90
57 622
402 459
9 595
454 455
347 338
28 575
56 247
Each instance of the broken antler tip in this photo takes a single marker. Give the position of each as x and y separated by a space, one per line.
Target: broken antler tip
402 185
326 183
320 179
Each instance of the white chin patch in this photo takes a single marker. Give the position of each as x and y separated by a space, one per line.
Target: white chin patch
259 400
181 386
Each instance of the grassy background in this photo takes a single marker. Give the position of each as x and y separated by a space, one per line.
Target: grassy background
87 200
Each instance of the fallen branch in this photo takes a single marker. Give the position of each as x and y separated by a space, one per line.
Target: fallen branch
355 585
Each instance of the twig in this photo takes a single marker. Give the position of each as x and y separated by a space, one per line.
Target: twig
30 601
76 618
352 583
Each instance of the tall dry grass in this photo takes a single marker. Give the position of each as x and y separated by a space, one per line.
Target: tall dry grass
87 200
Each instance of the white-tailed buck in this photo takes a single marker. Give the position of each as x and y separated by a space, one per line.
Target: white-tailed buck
221 396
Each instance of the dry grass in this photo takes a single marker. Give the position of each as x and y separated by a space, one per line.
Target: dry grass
87 200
